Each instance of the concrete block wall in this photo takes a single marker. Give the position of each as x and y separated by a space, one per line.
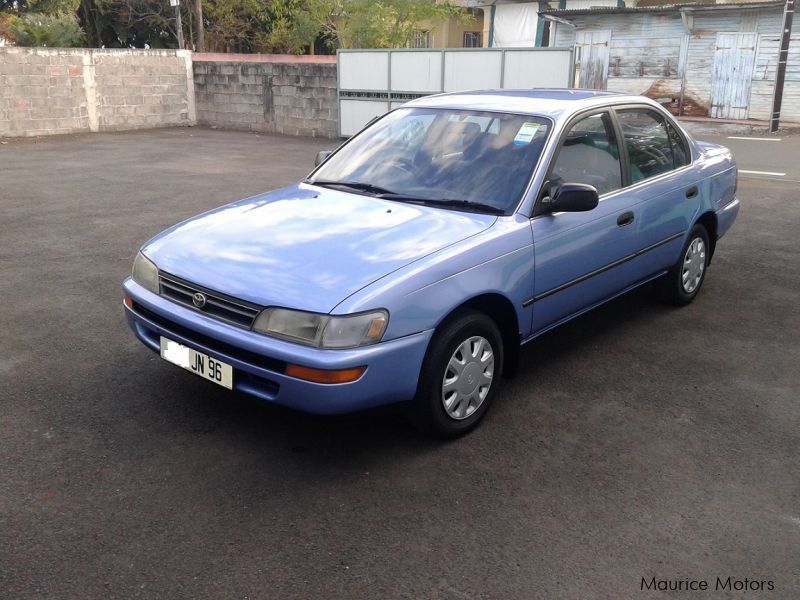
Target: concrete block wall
41 93
272 95
45 91
139 91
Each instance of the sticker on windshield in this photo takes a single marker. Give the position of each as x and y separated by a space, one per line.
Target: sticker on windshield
526 133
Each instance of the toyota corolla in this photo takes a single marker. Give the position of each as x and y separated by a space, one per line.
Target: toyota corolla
413 261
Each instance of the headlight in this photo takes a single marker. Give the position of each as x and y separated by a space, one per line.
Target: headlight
355 330
323 331
145 273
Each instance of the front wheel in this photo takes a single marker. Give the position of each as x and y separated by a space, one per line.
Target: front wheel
682 282
459 376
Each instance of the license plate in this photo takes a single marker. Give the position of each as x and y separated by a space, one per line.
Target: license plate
197 362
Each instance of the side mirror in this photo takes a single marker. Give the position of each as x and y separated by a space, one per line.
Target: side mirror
322 156
573 197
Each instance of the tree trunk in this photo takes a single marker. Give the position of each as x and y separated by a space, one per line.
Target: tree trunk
91 25
200 28
190 25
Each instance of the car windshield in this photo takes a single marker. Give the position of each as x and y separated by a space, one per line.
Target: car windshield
466 159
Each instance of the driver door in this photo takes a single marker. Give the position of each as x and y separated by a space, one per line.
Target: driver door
583 258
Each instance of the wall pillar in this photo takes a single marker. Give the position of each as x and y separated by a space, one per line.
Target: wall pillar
90 88
186 55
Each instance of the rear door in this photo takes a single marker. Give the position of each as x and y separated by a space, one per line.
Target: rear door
583 258
663 184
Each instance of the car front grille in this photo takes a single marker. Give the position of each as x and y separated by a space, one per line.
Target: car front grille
206 343
236 312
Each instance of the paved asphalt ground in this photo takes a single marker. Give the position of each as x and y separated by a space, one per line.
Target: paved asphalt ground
637 441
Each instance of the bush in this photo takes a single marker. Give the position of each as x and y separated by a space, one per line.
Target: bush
6 22
53 31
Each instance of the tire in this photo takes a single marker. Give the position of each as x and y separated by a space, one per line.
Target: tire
683 281
452 412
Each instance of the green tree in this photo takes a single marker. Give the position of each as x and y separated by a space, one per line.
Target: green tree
7 20
399 19
286 26
353 23
41 23
53 7
54 31
232 25
135 23
289 31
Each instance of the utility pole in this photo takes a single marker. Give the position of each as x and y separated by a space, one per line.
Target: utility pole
780 71
200 45
178 24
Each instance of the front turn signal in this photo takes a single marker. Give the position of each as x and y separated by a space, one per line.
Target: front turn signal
325 375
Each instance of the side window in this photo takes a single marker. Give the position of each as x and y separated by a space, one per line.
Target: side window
649 145
680 153
589 154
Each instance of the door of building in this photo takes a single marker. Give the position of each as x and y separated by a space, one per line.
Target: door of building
734 59
591 58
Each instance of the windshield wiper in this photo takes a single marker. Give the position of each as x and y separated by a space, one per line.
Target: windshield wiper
447 202
385 194
470 205
359 186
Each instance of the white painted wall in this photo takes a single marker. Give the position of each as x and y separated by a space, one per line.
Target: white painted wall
515 25
576 4
371 82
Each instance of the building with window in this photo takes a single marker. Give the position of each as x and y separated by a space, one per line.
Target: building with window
522 23
514 24
473 39
716 60
463 31
421 39
502 23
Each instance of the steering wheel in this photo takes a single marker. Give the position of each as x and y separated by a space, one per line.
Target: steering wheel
656 155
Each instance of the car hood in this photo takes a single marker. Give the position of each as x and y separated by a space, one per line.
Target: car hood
305 247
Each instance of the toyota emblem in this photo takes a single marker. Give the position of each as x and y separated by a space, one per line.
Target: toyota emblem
199 300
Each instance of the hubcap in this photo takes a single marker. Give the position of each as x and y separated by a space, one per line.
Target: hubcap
694 263
468 377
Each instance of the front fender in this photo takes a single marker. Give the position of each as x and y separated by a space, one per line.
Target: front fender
419 296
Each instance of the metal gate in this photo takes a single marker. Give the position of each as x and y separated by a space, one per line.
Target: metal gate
591 59
372 82
734 60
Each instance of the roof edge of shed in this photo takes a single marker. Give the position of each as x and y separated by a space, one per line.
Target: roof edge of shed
666 8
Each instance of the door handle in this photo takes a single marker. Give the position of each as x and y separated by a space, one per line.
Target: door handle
625 218
692 192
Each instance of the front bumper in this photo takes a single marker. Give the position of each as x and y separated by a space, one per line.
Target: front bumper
391 376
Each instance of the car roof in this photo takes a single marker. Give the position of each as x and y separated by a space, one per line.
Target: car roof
553 103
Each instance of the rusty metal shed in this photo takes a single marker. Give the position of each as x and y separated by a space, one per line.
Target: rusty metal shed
715 60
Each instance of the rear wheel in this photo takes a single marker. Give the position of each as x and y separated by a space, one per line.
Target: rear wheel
682 282
459 376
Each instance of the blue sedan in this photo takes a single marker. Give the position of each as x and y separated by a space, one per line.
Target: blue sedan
413 262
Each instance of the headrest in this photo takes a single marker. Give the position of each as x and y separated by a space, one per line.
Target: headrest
466 128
